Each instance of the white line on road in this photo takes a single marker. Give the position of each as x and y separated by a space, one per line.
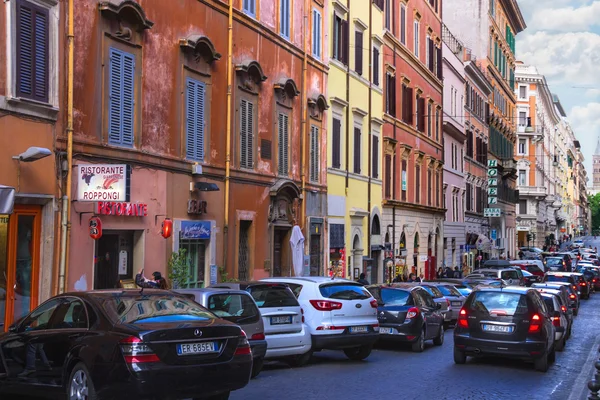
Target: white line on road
586 374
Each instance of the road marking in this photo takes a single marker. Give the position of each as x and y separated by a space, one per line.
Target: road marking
586 374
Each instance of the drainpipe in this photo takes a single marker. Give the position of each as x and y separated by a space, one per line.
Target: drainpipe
304 124
228 130
66 204
369 150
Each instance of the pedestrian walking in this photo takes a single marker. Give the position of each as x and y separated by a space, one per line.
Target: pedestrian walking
362 280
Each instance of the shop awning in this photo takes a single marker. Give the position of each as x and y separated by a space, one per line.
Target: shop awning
7 199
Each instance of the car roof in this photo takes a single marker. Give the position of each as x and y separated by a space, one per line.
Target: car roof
313 279
211 290
507 289
540 284
395 285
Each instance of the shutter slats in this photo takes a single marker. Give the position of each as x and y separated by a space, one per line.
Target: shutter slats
190 120
375 66
114 97
375 158
417 184
283 144
128 99
345 43
25 66
388 176
358 48
32 51
250 136
243 134
314 154
195 119
357 135
41 56
336 144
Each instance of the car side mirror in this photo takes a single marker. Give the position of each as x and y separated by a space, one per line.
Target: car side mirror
438 306
12 328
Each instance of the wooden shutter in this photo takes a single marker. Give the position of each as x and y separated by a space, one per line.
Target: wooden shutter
437 189
32 32
246 134
314 153
440 63
358 52
421 112
283 144
375 66
194 121
336 148
403 24
357 150
393 94
431 54
417 183
375 158
121 97
345 42
404 175
388 176
429 185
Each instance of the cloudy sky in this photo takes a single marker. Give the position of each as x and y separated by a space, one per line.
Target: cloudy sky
563 40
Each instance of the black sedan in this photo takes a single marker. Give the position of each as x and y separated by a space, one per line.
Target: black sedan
123 344
408 313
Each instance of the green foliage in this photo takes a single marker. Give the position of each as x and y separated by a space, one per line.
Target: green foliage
594 202
179 268
224 276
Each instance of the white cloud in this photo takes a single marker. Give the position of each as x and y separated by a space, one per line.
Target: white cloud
585 121
574 16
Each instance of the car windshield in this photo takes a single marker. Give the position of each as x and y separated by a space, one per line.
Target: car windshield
395 297
499 302
267 296
434 291
464 290
126 308
344 291
554 261
236 308
448 290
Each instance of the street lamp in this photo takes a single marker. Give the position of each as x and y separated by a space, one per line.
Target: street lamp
33 154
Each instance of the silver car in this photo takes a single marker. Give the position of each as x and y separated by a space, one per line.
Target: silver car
455 298
439 298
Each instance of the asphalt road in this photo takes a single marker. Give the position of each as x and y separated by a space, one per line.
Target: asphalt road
394 372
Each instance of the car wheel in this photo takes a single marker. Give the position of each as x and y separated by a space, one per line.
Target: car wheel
419 345
560 346
439 340
222 396
358 353
541 364
257 366
459 356
80 385
300 360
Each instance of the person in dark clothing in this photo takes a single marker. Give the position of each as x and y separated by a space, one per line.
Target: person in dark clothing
412 277
457 273
440 273
398 278
362 280
157 283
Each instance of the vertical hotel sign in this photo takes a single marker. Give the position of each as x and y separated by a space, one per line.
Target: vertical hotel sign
492 191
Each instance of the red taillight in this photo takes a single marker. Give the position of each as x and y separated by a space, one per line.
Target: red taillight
536 324
572 296
462 319
563 308
258 336
574 287
556 321
243 347
412 312
302 311
594 280
331 328
135 351
326 305
374 303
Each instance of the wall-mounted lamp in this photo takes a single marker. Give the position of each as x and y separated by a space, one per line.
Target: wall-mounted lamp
167 228
33 154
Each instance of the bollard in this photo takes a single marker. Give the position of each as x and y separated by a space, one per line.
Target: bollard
594 384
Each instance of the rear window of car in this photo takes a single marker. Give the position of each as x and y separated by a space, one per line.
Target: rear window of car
448 290
489 274
434 291
395 297
554 261
557 278
549 303
508 303
267 296
509 274
534 269
344 291
123 308
236 308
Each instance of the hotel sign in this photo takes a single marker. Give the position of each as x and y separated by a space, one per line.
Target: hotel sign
492 174
103 182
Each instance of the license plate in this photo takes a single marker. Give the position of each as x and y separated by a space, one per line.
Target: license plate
359 329
281 320
388 331
498 328
197 348
456 303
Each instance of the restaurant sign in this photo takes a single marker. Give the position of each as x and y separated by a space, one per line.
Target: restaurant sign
195 230
103 182
122 209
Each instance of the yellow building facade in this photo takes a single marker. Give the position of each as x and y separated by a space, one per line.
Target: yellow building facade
354 170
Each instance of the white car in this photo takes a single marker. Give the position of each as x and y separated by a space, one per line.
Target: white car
339 313
578 243
286 335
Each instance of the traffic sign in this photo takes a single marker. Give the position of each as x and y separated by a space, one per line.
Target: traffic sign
493 234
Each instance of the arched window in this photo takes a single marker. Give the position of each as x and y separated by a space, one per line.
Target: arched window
376 226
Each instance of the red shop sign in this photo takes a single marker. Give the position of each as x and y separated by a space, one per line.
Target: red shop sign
122 209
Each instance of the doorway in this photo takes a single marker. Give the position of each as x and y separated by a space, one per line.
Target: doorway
114 259
20 263
281 253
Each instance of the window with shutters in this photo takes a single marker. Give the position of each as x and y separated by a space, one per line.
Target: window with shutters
375 69
470 144
194 119
437 188
429 118
403 23
246 134
388 15
416 38
249 7
32 51
407 104
283 144
336 143
357 150
420 120
428 56
390 94
388 176
317 34
417 184
429 186
437 124
314 153
121 101
358 52
375 157
340 39
404 173
284 18
469 196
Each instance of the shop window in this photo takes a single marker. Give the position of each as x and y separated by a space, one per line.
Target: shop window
196 254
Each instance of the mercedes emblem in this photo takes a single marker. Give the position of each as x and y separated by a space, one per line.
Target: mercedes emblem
198 332
358 305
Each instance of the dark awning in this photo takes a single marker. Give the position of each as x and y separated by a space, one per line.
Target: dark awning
336 236
7 199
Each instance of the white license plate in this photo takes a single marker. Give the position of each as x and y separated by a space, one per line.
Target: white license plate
386 331
281 320
498 328
456 303
197 348
359 329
